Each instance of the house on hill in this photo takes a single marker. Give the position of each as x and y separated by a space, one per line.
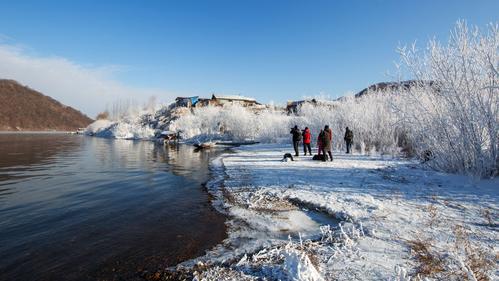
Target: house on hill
293 106
202 102
216 100
222 100
186 101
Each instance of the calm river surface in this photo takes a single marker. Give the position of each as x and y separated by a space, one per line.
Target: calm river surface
83 208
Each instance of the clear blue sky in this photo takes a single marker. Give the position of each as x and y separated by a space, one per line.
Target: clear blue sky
271 50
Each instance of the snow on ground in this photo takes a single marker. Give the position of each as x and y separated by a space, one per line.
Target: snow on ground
356 218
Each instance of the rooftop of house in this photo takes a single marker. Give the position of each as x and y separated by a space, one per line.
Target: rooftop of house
233 97
184 98
293 103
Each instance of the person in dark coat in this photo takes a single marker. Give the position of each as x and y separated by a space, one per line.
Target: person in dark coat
307 137
319 142
348 139
327 139
296 139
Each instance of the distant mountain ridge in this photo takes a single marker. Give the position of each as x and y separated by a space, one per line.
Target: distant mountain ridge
405 85
24 109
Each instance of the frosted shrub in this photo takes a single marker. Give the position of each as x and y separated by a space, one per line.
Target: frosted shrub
273 126
233 122
452 115
203 121
371 117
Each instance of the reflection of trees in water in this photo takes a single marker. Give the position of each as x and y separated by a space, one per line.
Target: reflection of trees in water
121 154
181 160
184 160
20 153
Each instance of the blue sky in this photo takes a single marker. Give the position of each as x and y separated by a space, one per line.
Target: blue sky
270 50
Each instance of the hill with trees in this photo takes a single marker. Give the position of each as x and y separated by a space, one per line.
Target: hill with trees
24 109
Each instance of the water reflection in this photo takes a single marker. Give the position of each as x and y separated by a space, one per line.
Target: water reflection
74 208
20 153
132 155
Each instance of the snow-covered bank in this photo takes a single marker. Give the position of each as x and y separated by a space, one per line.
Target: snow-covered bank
395 218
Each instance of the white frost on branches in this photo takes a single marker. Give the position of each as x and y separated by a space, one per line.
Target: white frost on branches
454 110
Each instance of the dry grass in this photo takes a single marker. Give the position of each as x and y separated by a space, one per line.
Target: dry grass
429 262
309 248
488 215
433 215
478 259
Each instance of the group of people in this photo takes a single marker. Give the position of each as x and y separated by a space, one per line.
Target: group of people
324 141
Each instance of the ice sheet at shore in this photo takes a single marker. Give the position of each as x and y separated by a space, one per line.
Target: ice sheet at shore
383 205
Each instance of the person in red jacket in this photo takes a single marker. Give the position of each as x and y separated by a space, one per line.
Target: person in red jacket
307 137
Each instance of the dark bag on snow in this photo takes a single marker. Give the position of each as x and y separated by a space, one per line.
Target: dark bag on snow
319 157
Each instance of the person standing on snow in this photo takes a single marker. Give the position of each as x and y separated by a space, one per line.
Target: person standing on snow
327 139
348 139
319 142
307 136
296 138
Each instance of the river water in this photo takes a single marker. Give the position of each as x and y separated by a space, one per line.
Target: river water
83 208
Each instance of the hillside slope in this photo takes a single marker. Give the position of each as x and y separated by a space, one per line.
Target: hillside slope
403 85
24 109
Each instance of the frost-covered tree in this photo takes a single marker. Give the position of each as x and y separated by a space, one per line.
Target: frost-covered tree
452 115
233 122
371 117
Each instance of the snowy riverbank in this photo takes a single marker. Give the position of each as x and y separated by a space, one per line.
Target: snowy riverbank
388 218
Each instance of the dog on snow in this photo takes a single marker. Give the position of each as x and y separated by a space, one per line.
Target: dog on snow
287 157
